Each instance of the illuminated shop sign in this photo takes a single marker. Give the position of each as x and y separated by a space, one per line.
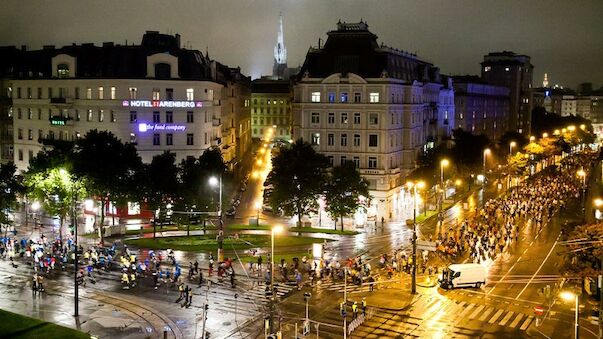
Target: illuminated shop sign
144 127
161 103
58 121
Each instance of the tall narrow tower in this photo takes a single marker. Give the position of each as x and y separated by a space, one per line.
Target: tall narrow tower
280 52
545 82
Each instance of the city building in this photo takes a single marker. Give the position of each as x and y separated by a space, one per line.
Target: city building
513 71
380 107
156 95
271 108
480 108
8 56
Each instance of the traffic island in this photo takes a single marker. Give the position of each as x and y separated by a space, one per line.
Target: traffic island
14 325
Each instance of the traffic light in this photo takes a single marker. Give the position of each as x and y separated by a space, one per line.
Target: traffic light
306 329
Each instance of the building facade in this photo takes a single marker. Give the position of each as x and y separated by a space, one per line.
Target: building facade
156 95
480 108
514 72
271 108
356 100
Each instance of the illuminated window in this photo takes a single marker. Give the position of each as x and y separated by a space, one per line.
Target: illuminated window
101 115
113 116
156 94
112 93
374 97
89 115
344 118
101 92
316 139
330 139
331 97
88 93
63 71
190 95
315 97
344 97
507 69
133 92
487 69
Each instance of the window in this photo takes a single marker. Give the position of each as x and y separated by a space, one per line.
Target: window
20 155
343 160
344 139
133 138
40 114
113 116
18 92
50 92
62 71
344 118
133 116
28 92
373 140
315 138
507 69
101 92
101 115
356 118
331 118
330 139
344 97
20 134
156 118
331 160
40 135
163 70
315 118
88 93
357 97
77 92
372 162
89 116
156 141
133 92
374 97
169 94
373 118
169 139
356 162
156 94
356 140
39 92
189 117
331 97
210 94
487 69
315 97
29 134
29 114
189 139
169 117
190 95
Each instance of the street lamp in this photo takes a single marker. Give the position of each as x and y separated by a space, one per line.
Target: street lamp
443 163
275 229
583 127
598 202
511 145
582 175
569 296
35 206
486 153
414 185
545 135
532 138
571 128
213 181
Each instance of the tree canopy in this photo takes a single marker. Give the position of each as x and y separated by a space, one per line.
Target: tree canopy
583 251
344 188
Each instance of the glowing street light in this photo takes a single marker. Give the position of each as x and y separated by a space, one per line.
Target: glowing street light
571 128
532 138
583 127
213 181
511 145
569 296
598 202
545 135
414 186
443 163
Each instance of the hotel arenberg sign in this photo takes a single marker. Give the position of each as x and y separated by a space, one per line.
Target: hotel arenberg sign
144 127
162 103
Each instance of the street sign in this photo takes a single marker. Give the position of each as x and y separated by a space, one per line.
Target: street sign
538 310
424 245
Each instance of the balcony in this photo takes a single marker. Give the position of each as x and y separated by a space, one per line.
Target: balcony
372 171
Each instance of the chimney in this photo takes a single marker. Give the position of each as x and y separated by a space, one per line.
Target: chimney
178 40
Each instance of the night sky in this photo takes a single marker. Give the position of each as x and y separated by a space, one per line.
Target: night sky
563 37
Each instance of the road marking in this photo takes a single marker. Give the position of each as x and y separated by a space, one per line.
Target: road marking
476 312
516 320
506 318
539 268
493 319
466 310
526 323
485 315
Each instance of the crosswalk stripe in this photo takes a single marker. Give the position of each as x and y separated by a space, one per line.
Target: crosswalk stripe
516 320
493 319
526 323
506 318
476 312
466 310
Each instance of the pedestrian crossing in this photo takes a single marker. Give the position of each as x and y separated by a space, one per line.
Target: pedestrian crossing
427 315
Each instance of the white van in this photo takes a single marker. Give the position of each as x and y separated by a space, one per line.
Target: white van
463 275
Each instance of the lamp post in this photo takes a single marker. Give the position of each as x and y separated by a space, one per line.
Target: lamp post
414 186
486 153
443 163
275 229
582 176
35 206
569 296
213 181
511 145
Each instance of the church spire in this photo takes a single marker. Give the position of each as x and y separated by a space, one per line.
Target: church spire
280 52
545 82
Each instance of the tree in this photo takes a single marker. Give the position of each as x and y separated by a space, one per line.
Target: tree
109 167
57 190
344 188
194 175
584 251
468 150
518 163
161 185
298 176
10 187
